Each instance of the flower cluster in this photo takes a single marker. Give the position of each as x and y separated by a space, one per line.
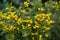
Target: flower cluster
29 21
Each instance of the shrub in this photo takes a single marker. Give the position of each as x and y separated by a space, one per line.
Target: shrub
31 21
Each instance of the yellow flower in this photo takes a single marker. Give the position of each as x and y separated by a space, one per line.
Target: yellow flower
32 38
11 4
5 28
23 27
36 33
12 13
28 17
18 29
8 17
36 22
44 15
23 11
41 20
46 3
19 20
7 8
1 22
44 30
46 20
32 33
20 7
30 21
46 35
26 4
56 3
36 26
40 37
40 9
51 21
59 2
11 28
3 15
12 7
47 28
15 17
29 25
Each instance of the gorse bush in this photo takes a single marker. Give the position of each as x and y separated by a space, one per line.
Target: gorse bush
33 20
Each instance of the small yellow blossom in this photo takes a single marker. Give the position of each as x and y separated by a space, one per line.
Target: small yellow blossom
26 4
46 35
23 11
15 17
28 17
7 8
40 37
1 22
36 33
11 28
12 13
8 17
41 9
47 28
5 28
36 26
3 15
23 27
44 30
19 20
56 3
11 4
12 7
29 25
30 21
32 33
51 21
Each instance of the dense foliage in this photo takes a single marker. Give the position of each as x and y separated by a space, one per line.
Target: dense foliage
31 20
